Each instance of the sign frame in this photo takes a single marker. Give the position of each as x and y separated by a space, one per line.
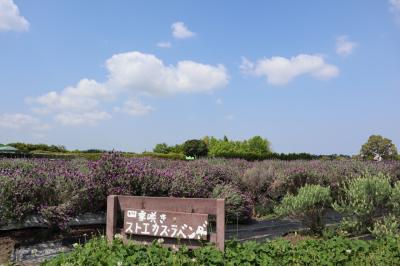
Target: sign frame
117 204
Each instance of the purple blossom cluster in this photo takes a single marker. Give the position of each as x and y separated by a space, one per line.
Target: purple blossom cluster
61 189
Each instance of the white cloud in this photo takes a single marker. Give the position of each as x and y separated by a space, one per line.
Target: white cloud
180 31
344 46
229 117
10 19
19 121
145 73
280 70
16 121
395 9
164 44
134 107
84 96
73 119
134 74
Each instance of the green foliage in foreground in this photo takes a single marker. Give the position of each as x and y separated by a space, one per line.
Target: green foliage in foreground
334 251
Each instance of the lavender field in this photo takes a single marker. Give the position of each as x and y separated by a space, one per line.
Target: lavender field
61 189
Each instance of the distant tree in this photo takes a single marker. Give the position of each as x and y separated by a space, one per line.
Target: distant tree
259 145
378 147
255 148
27 147
195 147
206 140
178 148
162 148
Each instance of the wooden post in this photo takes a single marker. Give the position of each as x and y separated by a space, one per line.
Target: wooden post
111 227
221 224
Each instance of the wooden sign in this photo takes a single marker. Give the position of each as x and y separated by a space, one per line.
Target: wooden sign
176 220
166 224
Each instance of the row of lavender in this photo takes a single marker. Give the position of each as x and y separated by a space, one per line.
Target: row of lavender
59 189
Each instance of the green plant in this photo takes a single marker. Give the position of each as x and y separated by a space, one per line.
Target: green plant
363 200
385 227
333 251
308 205
395 199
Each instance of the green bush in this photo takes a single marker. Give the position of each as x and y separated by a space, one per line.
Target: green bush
334 251
238 206
308 205
395 199
386 227
364 199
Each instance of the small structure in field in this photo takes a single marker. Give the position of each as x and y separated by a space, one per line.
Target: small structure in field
8 149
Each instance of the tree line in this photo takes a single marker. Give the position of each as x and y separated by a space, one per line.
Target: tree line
255 148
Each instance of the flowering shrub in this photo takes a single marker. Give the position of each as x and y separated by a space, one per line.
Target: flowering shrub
238 205
61 189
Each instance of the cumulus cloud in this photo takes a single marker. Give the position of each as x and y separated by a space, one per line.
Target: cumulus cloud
134 107
344 46
145 73
10 19
73 119
134 74
280 70
180 31
19 121
395 9
82 97
164 44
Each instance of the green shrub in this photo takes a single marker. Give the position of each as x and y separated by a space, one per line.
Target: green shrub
386 227
395 199
238 206
308 205
364 200
334 251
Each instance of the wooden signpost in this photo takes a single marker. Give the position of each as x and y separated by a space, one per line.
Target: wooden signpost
175 220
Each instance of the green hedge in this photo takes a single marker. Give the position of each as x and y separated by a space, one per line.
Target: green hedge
334 251
252 156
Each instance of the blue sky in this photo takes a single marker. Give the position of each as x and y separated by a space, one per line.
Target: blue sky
311 76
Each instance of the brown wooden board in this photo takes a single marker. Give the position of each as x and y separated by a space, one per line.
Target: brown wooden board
179 225
186 219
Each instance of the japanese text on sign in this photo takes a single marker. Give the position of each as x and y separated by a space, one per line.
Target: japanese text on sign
166 224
